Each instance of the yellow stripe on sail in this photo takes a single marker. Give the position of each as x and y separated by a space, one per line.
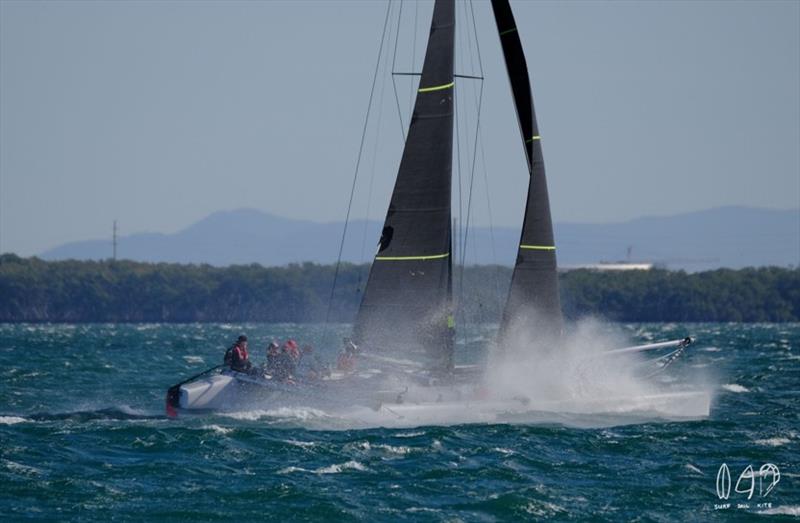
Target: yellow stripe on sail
436 87
538 247
413 258
532 138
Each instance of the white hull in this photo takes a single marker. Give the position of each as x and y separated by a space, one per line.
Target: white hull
235 391
434 405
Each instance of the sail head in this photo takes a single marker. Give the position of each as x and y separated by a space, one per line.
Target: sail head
533 307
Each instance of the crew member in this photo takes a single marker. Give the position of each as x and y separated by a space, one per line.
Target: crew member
284 366
293 350
237 356
272 357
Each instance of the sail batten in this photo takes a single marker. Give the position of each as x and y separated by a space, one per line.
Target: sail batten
407 301
533 307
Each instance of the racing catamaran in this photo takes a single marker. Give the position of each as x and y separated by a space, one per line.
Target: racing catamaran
405 324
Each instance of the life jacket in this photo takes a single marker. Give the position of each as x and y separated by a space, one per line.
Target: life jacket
239 353
236 358
293 350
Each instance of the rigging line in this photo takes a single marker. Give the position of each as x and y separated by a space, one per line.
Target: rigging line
374 155
464 228
358 162
469 40
458 170
477 43
461 311
471 184
491 225
483 165
472 172
394 61
413 55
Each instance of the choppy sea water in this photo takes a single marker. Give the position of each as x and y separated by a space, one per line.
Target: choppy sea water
83 437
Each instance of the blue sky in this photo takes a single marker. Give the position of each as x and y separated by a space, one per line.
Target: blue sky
159 113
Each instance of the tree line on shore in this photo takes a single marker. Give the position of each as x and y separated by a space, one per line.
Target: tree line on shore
33 290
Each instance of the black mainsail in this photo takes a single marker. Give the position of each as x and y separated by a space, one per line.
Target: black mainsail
533 308
406 309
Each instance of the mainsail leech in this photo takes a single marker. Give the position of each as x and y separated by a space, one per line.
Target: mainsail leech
533 308
407 302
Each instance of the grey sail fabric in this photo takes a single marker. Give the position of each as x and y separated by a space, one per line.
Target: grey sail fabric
405 311
533 308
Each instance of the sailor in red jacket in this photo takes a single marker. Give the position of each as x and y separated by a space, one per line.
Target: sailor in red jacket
237 356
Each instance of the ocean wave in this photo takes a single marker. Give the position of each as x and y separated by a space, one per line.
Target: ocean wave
341 467
410 434
389 449
691 467
543 508
218 429
330 469
301 444
291 413
119 413
12 420
786 510
20 468
772 442
194 359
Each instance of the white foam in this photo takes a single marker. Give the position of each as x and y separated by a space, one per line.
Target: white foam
218 429
341 467
392 449
331 469
410 434
20 468
302 444
772 442
543 509
290 413
735 387
289 470
786 510
366 446
578 374
12 420
194 359
694 469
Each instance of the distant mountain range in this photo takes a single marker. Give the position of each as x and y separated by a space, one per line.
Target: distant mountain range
733 237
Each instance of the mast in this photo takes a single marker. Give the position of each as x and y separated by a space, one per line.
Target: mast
406 308
533 308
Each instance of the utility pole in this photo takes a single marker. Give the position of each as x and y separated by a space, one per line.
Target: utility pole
115 241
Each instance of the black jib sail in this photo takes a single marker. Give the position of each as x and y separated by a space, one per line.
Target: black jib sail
533 309
406 309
